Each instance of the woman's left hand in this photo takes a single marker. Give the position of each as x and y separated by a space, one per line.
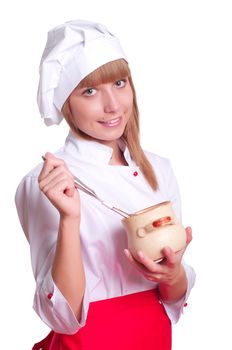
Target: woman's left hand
167 271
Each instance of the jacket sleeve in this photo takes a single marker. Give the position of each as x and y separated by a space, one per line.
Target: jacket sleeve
40 222
174 310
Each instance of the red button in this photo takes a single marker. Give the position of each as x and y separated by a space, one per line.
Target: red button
135 173
186 304
49 296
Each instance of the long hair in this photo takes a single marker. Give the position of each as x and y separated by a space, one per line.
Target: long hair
109 72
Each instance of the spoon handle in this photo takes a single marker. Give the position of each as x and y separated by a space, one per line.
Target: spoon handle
81 186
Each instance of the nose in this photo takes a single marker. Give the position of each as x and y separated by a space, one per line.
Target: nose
110 101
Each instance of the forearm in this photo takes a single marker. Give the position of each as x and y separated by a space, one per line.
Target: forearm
67 270
174 290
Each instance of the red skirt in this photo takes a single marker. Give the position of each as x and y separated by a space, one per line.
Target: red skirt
131 322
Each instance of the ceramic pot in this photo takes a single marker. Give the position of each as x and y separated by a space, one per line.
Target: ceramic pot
152 229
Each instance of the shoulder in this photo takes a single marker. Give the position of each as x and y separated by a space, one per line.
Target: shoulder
33 174
28 187
162 167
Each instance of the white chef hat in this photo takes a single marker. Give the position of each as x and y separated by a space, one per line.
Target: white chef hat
73 50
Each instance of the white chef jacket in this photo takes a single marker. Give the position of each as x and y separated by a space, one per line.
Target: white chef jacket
103 238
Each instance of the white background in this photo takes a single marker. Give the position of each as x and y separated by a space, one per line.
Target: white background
181 59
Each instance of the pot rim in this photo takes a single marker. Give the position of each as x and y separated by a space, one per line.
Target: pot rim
142 211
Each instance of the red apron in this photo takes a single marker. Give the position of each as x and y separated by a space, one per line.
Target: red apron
131 322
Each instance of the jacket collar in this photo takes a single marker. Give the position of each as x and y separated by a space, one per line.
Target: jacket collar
91 151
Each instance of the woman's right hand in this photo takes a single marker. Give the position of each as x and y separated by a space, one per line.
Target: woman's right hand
57 183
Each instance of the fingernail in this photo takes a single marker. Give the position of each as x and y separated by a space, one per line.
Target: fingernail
126 252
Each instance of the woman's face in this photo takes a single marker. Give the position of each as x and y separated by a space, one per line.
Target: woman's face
102 111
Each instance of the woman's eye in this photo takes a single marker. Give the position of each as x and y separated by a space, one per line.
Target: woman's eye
120 83
89 91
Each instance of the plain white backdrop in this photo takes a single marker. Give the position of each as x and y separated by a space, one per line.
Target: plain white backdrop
181 59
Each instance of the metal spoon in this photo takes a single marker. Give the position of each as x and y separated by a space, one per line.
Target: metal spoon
83 187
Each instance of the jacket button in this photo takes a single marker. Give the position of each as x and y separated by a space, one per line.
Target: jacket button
135 173
49 296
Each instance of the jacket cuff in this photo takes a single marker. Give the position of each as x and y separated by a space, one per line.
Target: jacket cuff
54 309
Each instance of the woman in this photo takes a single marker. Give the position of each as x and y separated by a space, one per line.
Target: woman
90 290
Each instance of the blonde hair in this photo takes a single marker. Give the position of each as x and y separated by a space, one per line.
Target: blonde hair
114 71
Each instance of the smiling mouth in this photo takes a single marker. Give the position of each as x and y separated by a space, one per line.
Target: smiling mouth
111 122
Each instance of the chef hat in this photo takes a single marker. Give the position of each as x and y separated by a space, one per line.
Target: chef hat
73 50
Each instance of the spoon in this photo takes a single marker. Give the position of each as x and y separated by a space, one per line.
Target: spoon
83 187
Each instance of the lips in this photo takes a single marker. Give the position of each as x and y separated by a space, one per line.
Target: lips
111 122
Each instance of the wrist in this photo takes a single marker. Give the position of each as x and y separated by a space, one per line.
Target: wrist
174 289
180 276
70 221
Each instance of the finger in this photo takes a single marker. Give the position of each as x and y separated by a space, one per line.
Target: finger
58 191
170 256
128 255
48 155
181 252
188 231
50 163
59 173
154 278
131 258
133 261
148 263
149 275
51 186
70 191
189 237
